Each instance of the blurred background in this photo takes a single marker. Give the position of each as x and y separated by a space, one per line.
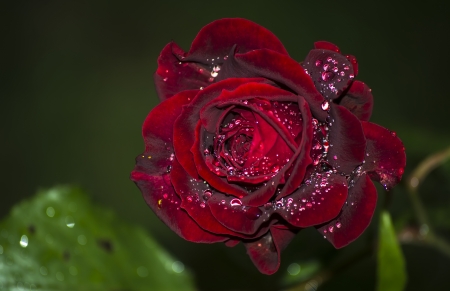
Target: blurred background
77 83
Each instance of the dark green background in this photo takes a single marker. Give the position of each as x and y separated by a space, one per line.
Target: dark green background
76 85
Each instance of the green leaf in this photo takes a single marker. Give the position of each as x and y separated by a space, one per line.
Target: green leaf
391 264
59 241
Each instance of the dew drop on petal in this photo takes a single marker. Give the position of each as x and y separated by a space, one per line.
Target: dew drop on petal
338 224
325 105
330 228
309 205
235 202
50 211
318 63
202 205
207 194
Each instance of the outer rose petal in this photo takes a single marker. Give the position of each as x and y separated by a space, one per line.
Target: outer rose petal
358 100
265 252
347 141
150 173
166 205
385 159
315 203
284 71
355 215
193 200
330 71
218 37
173 76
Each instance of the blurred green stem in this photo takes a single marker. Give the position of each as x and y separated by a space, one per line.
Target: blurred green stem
416 178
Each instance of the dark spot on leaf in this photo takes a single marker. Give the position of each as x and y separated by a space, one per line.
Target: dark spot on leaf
66 255
105 244
31 229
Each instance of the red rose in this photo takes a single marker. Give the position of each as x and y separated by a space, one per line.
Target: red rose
249 145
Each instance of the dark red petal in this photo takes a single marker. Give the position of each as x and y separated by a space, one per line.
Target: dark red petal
151 171
282 70
231 212
194 195
330 71
161 198
355 215
347 141
217 38
326 46
385 159
358 100
315 203
265 252
173 76
302 157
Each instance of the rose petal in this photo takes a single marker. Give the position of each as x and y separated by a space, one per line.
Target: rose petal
284 71
358 100
231 212
217 38
151 172
385 159
173 76
194 196
355 215
265 252
330 71
347 141
166 205
326 46
314 203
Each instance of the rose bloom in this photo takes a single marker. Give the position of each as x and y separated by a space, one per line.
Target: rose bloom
248 145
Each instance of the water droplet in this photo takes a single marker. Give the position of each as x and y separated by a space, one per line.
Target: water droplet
24 241
189 199
202 205
326 76
275 168
50 211
165 196
82 240
177 267
142 271
253 213
60 276
309 205
318 63
330 228
235 202
207 194
165 79
351 76
335 157
43 270
338 224
325 105
293 269
70 222
222 202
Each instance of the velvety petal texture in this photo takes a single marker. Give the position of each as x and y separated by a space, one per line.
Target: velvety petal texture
249 145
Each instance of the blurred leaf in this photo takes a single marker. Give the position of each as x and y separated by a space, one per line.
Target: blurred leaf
391 264
59 241
300 271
